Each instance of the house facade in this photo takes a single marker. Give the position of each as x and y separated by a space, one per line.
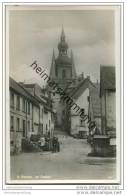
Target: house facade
108 103
80 95
95 105
21 114
105 140
29 114
44 124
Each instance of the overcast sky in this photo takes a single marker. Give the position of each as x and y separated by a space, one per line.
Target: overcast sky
34 34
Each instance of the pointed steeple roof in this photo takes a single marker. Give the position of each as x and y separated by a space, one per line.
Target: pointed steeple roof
52 70
73 65
62 46
62 34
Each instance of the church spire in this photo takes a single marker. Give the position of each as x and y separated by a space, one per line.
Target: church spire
62 46
52 70
73 65
62 34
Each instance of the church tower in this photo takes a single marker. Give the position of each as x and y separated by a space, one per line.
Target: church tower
62 68
63 72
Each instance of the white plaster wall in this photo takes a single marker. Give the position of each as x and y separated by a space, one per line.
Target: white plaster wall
35 119
58 107
16 136
111 109
41 113
82 102
98 123
36 129
75 121
45 119
36 114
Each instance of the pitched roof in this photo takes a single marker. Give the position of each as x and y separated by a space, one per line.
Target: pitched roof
38 98
107 78
95 100
47 106
34 85
74 83
20 90
94 89
81 87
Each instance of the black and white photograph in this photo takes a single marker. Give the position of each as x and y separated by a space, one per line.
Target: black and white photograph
63 94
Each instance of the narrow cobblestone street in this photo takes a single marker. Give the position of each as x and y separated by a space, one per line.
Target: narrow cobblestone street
71 162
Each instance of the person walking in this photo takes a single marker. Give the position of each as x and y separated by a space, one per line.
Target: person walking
54 143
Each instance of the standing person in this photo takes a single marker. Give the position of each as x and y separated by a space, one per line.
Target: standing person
58 145
54 143
47 143
91 132
42 143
